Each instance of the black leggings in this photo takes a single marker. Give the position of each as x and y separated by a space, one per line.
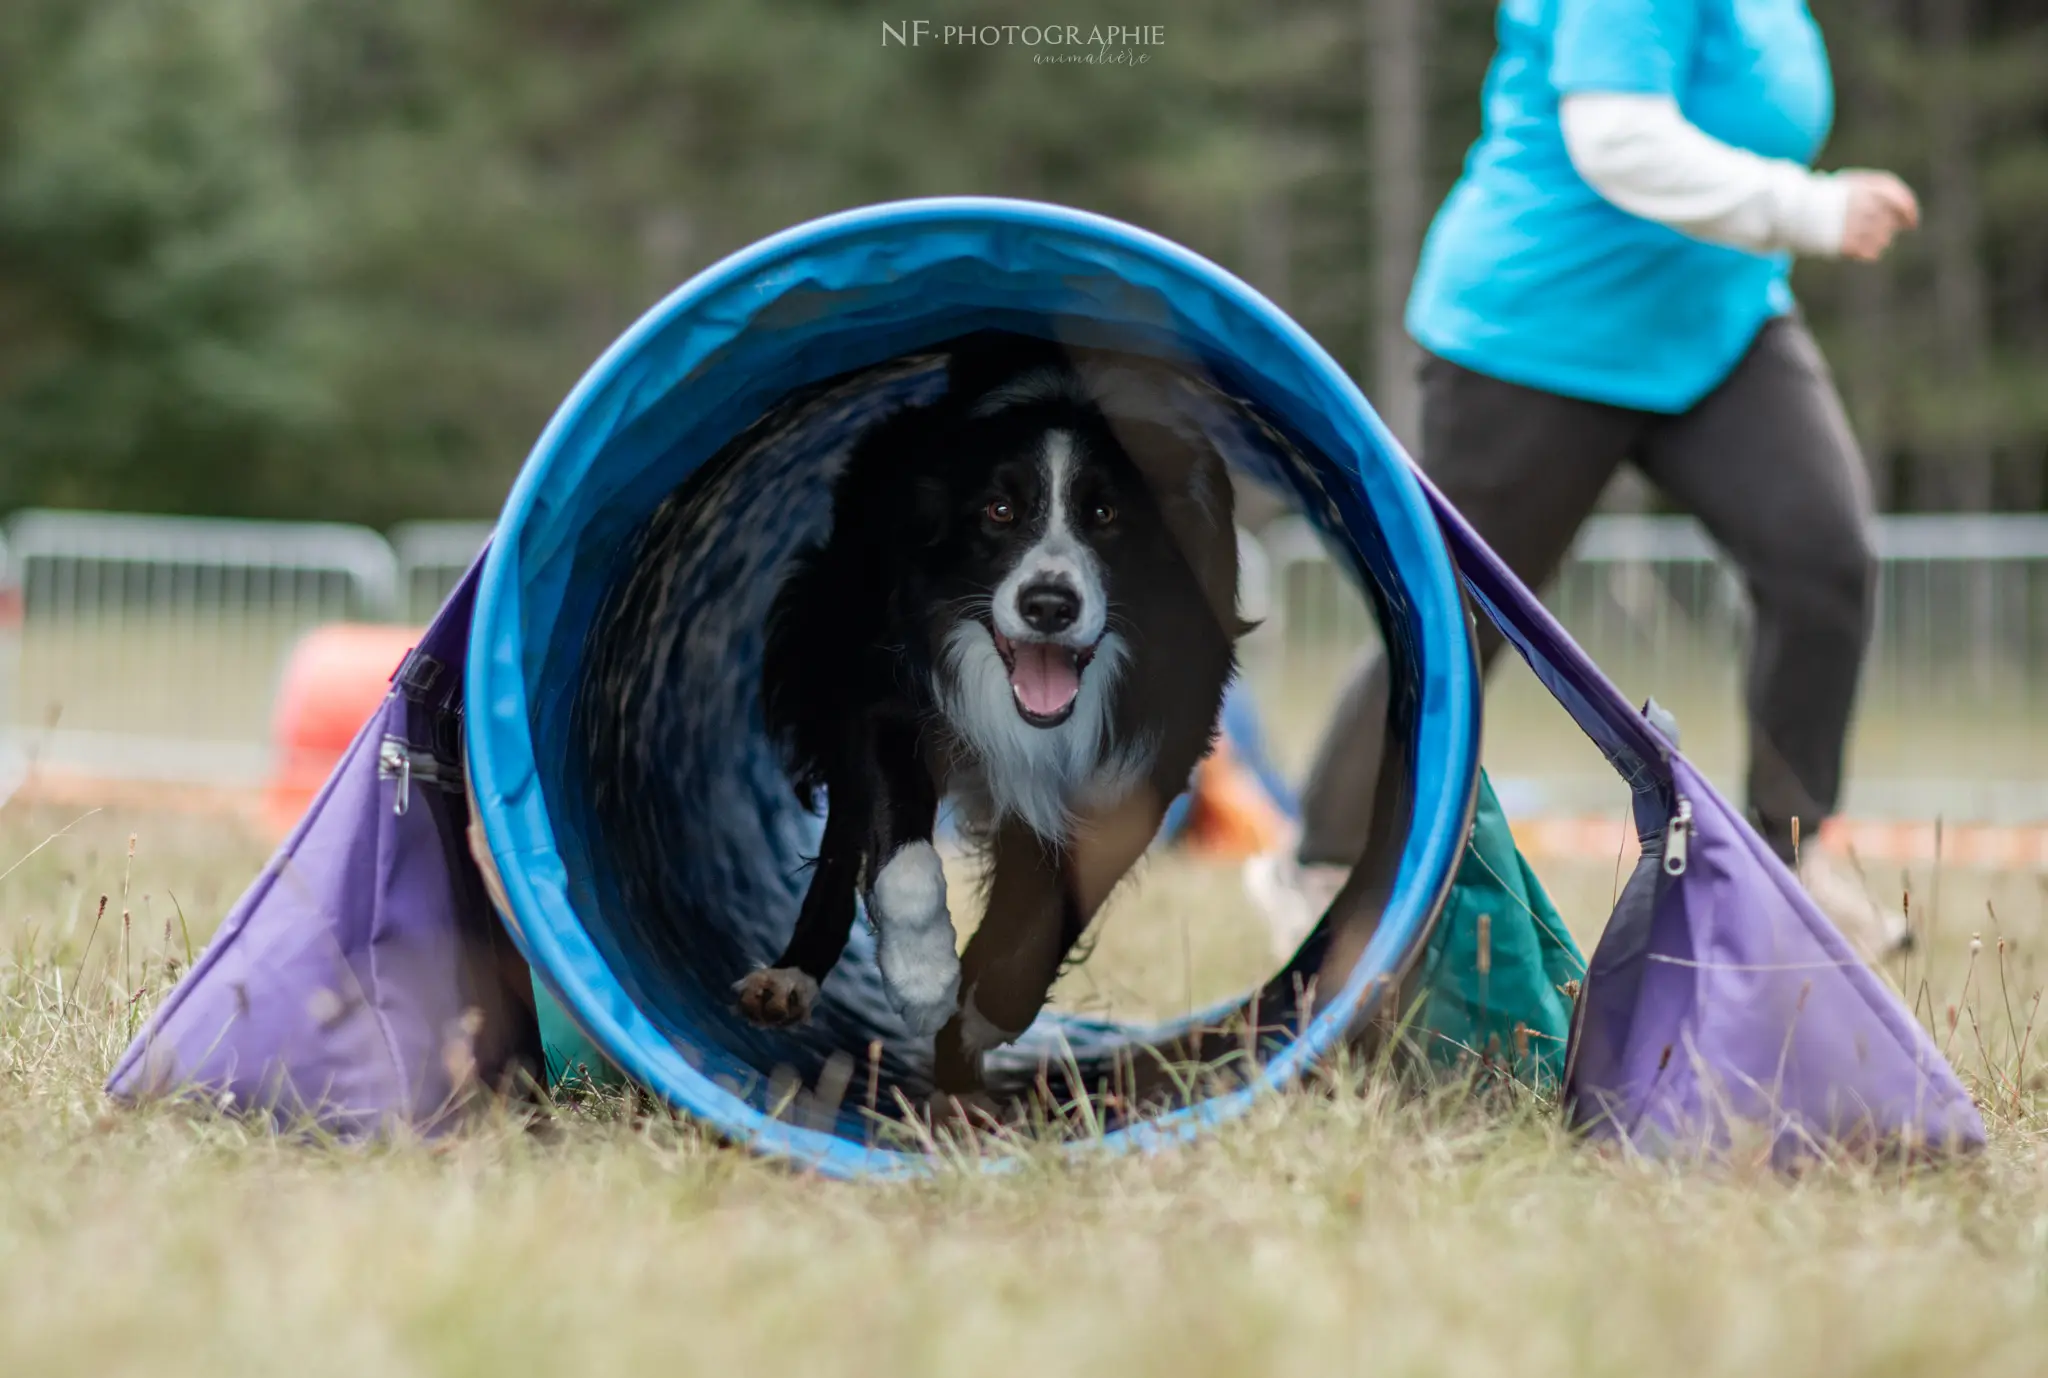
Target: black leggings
1766 461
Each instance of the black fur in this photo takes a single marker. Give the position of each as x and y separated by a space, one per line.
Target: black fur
855 674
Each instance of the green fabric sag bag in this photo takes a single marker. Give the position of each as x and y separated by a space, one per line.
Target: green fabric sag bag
1497 980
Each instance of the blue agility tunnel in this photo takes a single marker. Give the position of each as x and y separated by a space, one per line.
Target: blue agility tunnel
572 755
649 848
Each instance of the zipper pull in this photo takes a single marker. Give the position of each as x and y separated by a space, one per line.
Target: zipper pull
394 762
1675 837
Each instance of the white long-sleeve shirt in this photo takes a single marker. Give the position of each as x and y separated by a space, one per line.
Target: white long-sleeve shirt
1642 154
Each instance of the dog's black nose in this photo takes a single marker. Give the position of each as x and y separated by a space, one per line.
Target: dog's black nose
1048 609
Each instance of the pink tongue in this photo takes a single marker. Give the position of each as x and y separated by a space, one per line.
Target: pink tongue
1044 678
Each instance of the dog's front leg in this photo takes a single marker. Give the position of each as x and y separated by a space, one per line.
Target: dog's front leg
1042 897
782 994
915 944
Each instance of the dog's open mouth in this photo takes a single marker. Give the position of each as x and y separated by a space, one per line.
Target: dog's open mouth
1045 677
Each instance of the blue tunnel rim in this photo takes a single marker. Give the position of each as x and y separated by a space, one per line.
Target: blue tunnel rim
565 957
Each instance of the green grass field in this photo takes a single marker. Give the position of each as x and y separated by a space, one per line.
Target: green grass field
1337 1230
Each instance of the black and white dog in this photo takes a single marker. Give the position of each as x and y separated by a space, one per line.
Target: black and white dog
1027 601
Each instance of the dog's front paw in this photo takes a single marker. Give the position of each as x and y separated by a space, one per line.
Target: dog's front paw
979 1033
915 945
777 997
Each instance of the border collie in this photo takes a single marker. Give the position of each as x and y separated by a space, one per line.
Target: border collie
1027 602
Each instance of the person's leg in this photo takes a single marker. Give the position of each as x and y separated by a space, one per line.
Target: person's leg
1525 468
1768 463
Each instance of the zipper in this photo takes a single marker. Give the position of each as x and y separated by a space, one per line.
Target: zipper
1675 835
398 761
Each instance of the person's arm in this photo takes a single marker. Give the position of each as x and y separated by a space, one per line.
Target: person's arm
1617 66
1641 153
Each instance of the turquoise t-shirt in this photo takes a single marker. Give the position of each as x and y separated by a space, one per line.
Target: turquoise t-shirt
1530 276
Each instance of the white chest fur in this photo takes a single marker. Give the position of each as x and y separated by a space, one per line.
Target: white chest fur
1002 766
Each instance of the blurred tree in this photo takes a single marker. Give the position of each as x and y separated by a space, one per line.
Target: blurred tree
158 343
338 258
1397 44
1944 349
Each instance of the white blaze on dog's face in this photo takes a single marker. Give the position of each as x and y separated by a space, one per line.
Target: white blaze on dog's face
1045 502
1051 610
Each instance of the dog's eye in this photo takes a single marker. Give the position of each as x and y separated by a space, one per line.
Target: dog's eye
1103 514
1000 512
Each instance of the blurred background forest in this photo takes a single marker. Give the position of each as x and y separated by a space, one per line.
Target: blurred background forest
341 258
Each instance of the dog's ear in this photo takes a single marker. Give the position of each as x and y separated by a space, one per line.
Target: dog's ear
896 470
1191 484
932 501
929 496
984 361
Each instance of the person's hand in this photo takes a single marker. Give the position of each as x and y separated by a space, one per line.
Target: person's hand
1880 206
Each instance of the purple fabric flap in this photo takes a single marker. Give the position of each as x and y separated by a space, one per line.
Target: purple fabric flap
357 984
1752 1009
1719 997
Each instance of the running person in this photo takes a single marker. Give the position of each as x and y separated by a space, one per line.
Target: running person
1607 284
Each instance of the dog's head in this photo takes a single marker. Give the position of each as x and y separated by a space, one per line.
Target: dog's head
1056 523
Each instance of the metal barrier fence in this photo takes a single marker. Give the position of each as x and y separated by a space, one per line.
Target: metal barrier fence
1953 714
150 647
432 558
